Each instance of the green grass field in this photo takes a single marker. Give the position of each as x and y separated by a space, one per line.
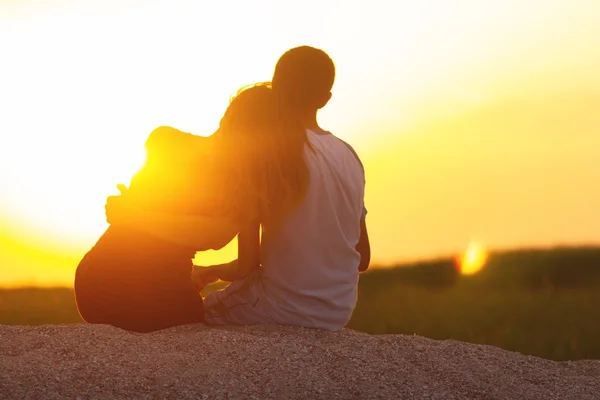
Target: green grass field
532 309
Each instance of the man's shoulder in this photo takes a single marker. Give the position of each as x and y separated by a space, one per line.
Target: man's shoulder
349 147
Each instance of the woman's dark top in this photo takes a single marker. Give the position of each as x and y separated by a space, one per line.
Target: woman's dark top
131 279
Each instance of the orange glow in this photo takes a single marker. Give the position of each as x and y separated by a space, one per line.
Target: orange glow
468 116
473 259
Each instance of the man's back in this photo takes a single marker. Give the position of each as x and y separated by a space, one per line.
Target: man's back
311 264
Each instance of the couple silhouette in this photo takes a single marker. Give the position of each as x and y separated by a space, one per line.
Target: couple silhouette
268 166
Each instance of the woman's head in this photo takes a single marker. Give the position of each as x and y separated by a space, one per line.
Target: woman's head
261 155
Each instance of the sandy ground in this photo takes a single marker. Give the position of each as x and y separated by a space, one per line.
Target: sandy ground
196 362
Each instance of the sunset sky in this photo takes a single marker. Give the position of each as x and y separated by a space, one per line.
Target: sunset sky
476 120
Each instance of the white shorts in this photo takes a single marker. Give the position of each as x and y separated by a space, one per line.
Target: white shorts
238 304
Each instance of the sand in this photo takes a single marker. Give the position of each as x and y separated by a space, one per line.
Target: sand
195 362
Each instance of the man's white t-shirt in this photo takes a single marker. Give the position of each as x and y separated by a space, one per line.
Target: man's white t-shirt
310 264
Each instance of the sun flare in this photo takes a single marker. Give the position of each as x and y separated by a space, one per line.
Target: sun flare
473 259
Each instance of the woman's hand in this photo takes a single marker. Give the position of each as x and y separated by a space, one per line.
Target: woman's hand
115 207
202 276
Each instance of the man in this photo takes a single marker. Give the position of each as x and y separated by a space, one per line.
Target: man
309 265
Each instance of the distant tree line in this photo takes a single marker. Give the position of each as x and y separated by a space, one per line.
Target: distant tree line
557 268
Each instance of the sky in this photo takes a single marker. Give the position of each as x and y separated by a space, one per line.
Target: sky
475 120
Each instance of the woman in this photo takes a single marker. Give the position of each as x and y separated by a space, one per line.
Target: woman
250 169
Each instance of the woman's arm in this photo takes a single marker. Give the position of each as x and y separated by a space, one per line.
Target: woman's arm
248 260
197 231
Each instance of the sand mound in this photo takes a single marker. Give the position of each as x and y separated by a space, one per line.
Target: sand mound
196 362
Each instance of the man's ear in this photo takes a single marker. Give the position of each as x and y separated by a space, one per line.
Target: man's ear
325 100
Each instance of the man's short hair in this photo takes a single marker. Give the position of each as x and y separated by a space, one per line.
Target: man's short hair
304 77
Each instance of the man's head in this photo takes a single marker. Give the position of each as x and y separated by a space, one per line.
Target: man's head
304 77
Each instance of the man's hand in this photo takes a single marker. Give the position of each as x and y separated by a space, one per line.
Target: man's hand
115 206
202 276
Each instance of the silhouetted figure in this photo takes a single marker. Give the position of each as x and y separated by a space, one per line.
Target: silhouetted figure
136 281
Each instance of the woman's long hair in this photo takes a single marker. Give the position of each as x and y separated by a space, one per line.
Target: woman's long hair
260 156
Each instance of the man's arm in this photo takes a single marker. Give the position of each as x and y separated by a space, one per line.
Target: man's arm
197 231
364 247
249 248
248 260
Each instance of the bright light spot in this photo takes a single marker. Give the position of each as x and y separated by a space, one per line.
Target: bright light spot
473 259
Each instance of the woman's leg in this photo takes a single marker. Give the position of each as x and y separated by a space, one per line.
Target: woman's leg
140 309
136 297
